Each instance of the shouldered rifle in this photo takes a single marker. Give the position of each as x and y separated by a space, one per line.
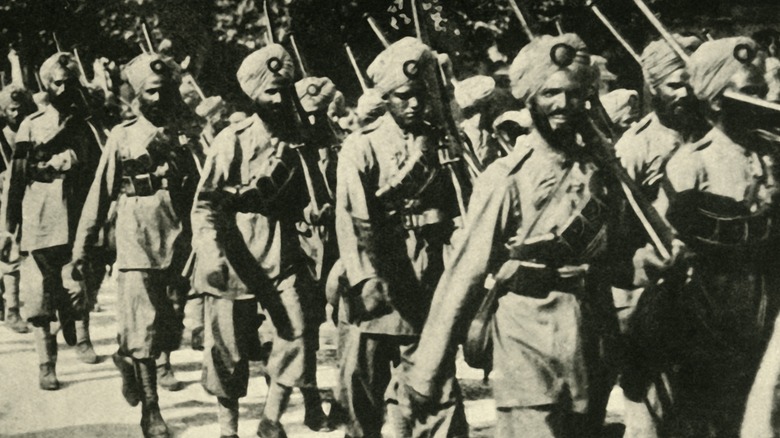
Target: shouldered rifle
451 137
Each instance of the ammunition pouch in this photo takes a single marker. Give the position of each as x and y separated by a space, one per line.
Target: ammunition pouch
720 226
583 235
44 174
139 177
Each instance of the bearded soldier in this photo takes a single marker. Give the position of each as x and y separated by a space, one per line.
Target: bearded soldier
644 151
15 104
474 96
396 207
252 195
149 170
538 220
723 203
57 151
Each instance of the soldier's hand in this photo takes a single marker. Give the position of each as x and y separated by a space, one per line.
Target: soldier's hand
421 404
375 296
73 281
649 266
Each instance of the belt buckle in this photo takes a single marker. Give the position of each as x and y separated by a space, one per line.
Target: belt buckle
143 185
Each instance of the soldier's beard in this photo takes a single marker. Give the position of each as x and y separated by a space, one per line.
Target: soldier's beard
563 137
680 115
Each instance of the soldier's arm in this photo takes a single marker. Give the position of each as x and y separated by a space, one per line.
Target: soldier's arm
460 288
209 217
353 225
104 189
15 181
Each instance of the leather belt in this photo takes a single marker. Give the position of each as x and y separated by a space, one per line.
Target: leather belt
416 221
538 280
145 184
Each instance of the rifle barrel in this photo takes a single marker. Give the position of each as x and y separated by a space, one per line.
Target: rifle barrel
147 38
615 32
377 31
298 56
523 22
662 30
355 67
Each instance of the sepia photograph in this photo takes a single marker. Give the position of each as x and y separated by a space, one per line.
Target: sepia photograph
389 218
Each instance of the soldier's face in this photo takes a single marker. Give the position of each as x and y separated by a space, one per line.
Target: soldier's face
674 97
14 115
407 104
157 99
62 89
749 80
560 100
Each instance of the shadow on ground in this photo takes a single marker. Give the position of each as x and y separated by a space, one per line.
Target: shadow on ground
84 431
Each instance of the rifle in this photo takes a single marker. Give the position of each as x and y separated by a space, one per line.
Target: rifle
303 119
603 18
451 139
377 31
523 21
358 73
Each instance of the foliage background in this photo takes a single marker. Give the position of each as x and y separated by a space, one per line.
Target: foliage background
217 34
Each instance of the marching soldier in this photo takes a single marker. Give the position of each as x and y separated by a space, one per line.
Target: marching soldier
722 201
149 170
395 214
474 97
251 197
15 104
644 151
538 220
57 151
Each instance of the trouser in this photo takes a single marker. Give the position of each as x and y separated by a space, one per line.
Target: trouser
11 290
147 320
231 341
539 422
45 299
371 372
95 272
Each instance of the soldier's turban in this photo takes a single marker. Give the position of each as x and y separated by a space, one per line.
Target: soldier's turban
715 62
659 60
620 104
264 68
399 64
59 61
546 55
146 66
474 90
210 106
370 106
315 93
14 94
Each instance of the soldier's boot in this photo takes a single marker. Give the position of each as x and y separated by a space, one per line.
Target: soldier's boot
227 413
14 321
152 423
314 418
84 350
165 376
46 346
275 404
131 389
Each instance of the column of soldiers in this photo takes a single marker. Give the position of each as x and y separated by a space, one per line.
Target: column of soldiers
555 255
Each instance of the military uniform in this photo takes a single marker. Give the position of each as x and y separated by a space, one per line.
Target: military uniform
253 192
242 154
552 305
727 307
53 163
400 238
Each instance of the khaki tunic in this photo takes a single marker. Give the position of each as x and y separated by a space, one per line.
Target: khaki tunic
50 209
372 239
731 300
539 339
